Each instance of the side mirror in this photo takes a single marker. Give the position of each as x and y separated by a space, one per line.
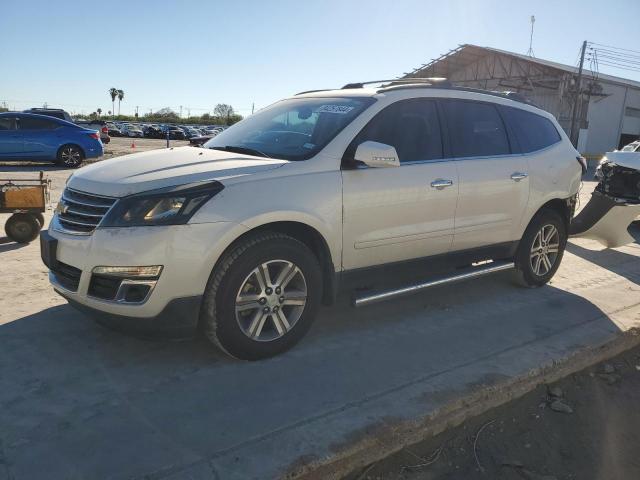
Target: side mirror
377 155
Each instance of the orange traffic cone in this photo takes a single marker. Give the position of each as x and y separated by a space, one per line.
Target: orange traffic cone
133 144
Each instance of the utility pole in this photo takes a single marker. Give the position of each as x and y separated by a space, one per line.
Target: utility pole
573 133
180 111
253 105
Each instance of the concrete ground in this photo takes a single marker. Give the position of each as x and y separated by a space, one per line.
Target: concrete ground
78 401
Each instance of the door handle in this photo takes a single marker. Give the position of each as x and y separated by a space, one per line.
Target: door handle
517 176
441 183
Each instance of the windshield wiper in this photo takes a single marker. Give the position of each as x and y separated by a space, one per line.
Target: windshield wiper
238 149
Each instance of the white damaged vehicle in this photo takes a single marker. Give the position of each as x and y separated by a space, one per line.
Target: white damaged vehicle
244 238
615 202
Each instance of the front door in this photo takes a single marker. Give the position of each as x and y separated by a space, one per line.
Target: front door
11 144
406 212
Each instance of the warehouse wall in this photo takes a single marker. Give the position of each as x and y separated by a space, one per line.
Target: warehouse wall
605 117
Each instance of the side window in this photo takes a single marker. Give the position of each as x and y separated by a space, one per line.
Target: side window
7 123
411 126
533 131
475 129
31 123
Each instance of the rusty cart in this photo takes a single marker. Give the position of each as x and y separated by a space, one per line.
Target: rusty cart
26 200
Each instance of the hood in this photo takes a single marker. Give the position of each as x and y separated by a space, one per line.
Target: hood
624 159
140 172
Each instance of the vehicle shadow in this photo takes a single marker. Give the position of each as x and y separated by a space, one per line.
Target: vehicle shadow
620 263
6 245
80 396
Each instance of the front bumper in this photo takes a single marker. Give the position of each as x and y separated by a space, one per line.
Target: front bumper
179 319
186 252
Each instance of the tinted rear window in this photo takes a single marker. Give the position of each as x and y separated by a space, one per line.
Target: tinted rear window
475 129
30 123
534 132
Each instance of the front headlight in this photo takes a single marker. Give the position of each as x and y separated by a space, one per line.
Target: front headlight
167 206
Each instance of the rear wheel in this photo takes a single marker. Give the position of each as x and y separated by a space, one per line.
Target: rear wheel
262 297
22 227
70 156
541 249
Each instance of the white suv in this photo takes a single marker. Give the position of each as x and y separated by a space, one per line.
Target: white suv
245 237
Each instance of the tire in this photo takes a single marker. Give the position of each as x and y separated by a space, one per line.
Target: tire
246 332
70 156
22 227
532 270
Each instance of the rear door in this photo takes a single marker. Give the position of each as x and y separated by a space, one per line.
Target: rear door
406 212
11 144
41 136
494 183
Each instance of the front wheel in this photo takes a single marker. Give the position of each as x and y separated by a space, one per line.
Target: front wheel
541 249
262 297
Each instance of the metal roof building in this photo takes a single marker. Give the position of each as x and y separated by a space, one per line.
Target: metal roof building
608 111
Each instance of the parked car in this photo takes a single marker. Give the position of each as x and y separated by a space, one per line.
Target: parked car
51 112
154 131
253 232
132 131
39 137
632 147
190 132
202 139
113 130
175 133
99 125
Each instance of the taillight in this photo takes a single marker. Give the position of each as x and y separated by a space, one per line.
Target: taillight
95 135
583 163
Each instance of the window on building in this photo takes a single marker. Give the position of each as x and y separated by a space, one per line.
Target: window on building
475 129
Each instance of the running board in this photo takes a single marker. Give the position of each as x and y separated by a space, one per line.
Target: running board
473 272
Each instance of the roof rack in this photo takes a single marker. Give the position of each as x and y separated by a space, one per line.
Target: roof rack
400 81
433 82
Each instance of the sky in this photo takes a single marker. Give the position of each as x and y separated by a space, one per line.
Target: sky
197 53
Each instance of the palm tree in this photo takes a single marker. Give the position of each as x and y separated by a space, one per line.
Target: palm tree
114 93
120 97
99 111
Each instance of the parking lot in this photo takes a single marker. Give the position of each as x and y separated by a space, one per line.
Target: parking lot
79 401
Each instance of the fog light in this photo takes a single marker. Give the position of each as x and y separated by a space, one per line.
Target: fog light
130 272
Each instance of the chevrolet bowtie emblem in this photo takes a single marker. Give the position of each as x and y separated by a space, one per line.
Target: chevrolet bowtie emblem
61 208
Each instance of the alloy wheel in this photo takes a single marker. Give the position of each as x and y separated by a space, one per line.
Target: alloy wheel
271 300
544 251
70 156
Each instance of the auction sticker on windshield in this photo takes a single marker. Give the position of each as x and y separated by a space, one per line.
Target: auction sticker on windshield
341 109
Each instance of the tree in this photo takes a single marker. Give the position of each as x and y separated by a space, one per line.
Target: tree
114 93
120 97
99 112
165 114
224 111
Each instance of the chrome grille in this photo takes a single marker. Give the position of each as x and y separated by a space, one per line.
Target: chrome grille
81 212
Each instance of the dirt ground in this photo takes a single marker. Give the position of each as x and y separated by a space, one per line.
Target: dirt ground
584 427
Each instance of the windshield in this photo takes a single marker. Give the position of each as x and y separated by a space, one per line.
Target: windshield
294 129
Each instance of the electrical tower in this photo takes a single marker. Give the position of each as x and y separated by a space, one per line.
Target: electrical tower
530 51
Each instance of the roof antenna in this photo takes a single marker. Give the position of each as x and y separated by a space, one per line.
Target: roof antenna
530 51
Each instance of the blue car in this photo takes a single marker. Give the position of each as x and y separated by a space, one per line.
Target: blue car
26 136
